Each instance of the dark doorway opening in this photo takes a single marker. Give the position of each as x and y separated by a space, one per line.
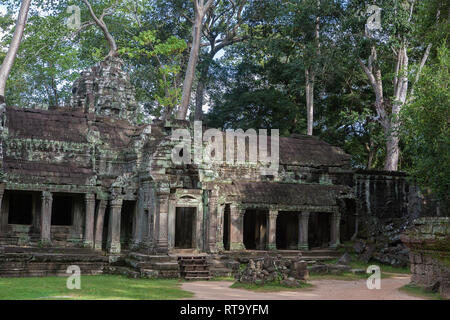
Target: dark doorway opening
126 223
255 229
62 210
20 208
348 219
105 232
185 228
226 227
287 231
319 227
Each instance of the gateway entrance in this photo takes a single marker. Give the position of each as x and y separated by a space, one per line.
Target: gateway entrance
185 228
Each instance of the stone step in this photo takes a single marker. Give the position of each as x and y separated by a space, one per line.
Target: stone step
166 266
222 272
198 278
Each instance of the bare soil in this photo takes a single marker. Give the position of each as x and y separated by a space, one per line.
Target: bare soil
321 290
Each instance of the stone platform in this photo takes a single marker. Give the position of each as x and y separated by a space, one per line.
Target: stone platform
41 262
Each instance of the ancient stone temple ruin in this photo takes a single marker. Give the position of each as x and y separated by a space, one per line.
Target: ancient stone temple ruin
88 180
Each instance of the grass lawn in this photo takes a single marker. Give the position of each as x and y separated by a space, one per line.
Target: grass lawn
104 287
420 292
268 287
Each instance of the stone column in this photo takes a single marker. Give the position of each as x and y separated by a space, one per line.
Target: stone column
3 213
335 229
89 218
272 228
114 225
46 217
219 228
237 228
99 225
303 219
163 240
77 225
212 218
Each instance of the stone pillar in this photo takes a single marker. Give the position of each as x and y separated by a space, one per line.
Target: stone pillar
99 225
212 218
335 229
89 218
77 225
237 228
114 225
272 228
303 219
219 228
3 213
163 240
46 217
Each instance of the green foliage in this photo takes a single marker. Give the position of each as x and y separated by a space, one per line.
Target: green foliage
426 127
167 54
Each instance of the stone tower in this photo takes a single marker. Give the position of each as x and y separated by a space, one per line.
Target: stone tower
105 90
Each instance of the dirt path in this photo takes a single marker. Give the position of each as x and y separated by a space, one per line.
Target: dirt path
322 290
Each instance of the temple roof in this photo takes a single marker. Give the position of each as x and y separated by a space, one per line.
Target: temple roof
63 124
310 151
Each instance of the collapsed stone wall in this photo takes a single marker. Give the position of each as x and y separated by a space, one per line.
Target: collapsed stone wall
388 203
429 243
269 269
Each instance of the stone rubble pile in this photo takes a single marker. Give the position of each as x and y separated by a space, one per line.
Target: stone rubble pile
384 246
289 272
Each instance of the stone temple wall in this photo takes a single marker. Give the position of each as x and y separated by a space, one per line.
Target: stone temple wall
429 243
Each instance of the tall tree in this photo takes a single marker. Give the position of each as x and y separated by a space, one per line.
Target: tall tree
222 28
14 47
397 33
200 10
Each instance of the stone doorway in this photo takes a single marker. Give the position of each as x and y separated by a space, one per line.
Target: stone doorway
20 207
185 227
319 230
255 229
287 230
226 227
126 223
62 210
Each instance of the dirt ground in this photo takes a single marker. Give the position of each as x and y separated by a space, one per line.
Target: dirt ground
322 290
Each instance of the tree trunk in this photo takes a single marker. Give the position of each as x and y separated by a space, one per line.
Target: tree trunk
198 116
309 101
14 47
190 71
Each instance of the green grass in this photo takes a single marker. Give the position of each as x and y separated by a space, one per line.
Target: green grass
417 291
222 279
268 286
104 287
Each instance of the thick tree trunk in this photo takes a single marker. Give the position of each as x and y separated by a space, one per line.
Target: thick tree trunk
14 47
190 71
198 116
392 151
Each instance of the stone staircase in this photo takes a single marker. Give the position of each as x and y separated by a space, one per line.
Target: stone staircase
151 266
222 266
194 267
40 262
